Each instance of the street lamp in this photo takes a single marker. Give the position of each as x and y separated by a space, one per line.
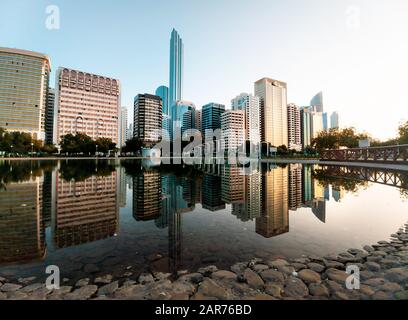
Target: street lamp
11 146
32 149
96 153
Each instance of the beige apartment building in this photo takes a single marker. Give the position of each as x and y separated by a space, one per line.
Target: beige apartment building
24 78
274 123
86 103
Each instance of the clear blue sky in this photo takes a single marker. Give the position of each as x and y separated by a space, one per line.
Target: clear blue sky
354 51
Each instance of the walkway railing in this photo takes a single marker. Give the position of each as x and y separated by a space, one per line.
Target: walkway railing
382 176
389 154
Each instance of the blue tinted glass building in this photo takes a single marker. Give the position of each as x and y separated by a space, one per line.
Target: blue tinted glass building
176 68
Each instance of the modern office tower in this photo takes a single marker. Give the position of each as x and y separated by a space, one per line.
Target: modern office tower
334 120
233 130
180 108
163 93
147 119
232 184
129 132
295 186
123 126
251 105
198 120
274 218
317 102
211 116
49 116
188 121
176 68
86 211
86 103
274 114
317 125
294 127
306 126
24 79
22 232
325 121
147 195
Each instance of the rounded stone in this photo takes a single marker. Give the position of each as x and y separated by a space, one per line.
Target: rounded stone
309 276
317 267
295 288
318 290
273 276
337 275
373 266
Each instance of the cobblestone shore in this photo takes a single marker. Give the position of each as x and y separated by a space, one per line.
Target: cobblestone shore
383 276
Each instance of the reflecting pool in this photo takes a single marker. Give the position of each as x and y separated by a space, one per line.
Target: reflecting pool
125 217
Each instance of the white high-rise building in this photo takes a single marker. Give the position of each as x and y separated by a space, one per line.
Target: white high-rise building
233 130
294 128
274 114
316 123
251 106
334 120
123 126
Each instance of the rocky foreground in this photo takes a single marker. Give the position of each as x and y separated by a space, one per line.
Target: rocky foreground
383 275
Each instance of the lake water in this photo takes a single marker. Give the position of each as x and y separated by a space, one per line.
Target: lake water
102 216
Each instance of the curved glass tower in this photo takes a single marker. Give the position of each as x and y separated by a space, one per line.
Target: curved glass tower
317 102
176 68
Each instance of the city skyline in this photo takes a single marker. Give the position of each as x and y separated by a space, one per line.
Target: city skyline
352 48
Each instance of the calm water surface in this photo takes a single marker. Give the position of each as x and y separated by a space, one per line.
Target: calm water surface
99 217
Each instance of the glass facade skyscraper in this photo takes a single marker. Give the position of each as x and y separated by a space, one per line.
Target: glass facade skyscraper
163 93
176 68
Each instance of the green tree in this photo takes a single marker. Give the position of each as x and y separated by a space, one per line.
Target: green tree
133 145
335 138
77 144
403 133
105 145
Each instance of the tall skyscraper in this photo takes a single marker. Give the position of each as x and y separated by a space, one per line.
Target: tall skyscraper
211 116
176 68
334 120
123 126
24 80
251 106
294 127
233 130
86 103
317 102
163 93
49 116
147 118
274 123
317 123
129 132
198 120
325 121
306 126
179 120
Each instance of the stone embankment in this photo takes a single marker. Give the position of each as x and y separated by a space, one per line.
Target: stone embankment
383 275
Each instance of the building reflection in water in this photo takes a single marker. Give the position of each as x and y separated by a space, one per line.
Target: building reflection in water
86 210
22 229
81 203
274 218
